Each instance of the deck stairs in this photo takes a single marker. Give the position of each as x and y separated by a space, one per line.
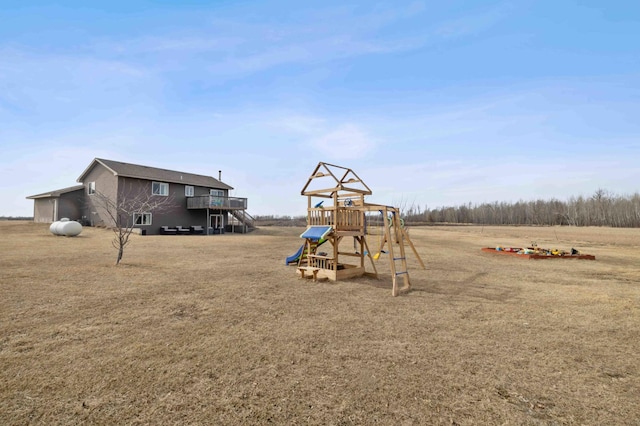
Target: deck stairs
241 217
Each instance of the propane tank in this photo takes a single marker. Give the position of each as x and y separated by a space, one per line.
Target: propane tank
65 227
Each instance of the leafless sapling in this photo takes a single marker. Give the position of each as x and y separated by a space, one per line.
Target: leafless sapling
128 209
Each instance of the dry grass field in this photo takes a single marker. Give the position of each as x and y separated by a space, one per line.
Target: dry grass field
217 330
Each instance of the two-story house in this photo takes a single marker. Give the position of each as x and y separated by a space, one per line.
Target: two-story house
194 200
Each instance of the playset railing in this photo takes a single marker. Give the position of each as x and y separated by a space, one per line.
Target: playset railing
342 219
321 262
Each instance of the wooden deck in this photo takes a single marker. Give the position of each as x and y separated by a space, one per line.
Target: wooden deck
217 203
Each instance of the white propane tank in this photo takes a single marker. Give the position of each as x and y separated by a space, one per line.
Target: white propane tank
66 227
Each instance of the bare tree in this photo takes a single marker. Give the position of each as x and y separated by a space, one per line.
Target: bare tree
122 213
604 208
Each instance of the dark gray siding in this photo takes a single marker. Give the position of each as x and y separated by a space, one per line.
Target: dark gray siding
173 214
70 205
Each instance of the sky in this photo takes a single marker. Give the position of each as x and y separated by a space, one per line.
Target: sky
431 103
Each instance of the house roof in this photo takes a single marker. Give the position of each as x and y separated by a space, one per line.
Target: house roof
153 173
56 193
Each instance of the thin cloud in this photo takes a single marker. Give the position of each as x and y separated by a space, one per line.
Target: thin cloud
300 124
471 24
33 83
233 48
199 42
347 142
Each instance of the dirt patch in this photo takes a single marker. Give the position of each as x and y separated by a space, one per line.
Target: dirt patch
216 329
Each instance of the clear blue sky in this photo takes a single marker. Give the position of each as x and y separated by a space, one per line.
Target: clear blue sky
430 102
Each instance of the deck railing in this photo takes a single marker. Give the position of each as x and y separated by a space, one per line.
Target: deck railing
215 202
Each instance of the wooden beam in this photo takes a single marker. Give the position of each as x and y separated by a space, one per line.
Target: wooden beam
366 246
349 254
355 190
413 248
317 192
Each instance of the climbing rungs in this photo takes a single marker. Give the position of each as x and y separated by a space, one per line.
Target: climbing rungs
399 258
402 273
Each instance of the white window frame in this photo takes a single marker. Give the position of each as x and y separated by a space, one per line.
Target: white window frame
162 188
91 188
189 191
216 192
145 219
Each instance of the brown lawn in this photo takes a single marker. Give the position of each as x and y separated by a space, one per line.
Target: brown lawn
217 330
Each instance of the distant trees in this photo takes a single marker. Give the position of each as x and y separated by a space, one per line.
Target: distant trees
603 208
277 220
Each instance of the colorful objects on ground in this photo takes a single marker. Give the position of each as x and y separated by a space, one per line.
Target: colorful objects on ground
538 253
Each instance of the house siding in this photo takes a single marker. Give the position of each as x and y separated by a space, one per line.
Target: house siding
44 210
173 214
70 205
50 209
114 185
106 184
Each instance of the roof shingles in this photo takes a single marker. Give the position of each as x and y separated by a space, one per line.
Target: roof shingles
56 193
156 174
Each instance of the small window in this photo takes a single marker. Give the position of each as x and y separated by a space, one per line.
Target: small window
91 189
188 191
160 188
216 192
142 219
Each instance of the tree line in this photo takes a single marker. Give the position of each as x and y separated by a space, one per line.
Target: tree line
603 208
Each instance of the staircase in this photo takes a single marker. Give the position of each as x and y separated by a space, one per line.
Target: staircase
243 219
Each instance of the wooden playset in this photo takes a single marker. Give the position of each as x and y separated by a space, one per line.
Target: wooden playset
343 219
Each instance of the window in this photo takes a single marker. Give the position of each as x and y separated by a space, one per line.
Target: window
91 189
188 191
216 197
160 188
142 218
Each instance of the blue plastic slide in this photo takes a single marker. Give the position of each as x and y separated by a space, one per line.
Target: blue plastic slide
313 233
316 233
295 257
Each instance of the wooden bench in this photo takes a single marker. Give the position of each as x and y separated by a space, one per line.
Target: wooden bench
314 271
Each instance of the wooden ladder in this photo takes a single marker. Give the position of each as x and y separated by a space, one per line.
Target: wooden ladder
398 262
310 247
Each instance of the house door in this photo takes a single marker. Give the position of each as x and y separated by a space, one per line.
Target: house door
215 221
